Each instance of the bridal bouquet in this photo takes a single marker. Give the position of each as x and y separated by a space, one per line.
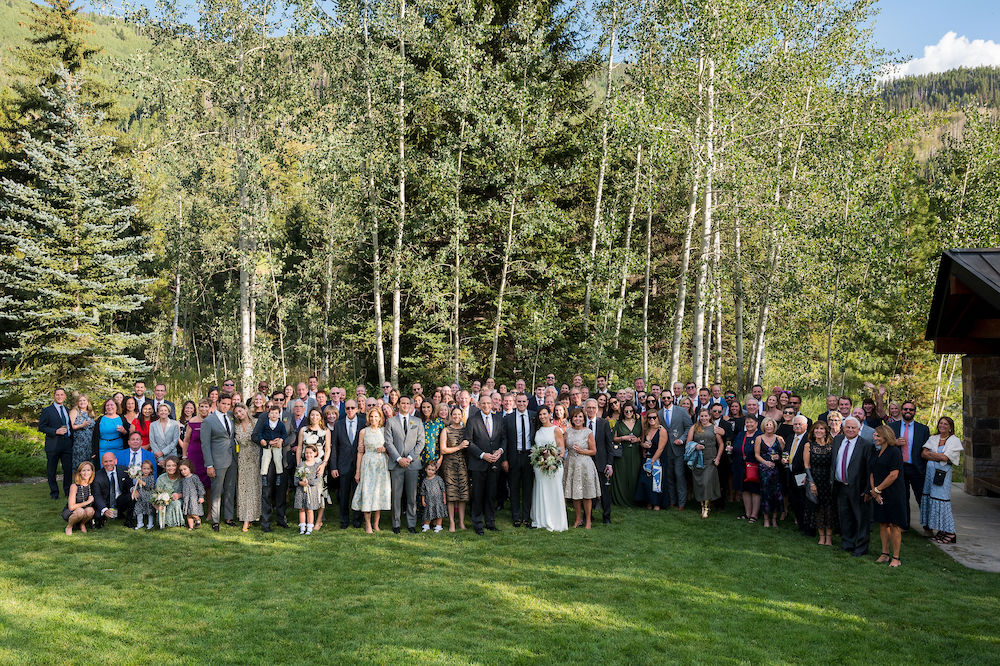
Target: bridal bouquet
135 473
161 500
546 458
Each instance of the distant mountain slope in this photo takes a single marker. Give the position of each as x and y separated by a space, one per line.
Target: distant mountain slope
115 38
978 86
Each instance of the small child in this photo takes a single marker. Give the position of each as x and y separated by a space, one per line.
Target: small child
432 498
307 489
272 436
192 494
142 493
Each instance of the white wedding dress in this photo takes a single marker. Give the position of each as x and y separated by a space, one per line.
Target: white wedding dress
548 506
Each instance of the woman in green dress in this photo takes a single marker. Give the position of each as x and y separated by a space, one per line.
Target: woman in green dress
170 482
628 433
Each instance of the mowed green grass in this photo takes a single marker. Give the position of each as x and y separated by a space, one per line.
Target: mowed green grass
651 587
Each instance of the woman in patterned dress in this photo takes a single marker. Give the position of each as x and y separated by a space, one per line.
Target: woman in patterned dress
454 467
82 418
374 493
317 434
580 480
248 489
818 457
767 449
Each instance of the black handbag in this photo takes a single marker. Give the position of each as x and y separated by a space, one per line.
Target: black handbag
939 476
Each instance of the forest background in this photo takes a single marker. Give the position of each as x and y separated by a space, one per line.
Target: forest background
714 189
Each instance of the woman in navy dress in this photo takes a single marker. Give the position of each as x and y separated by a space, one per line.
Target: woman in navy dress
742 453
889 492
767 452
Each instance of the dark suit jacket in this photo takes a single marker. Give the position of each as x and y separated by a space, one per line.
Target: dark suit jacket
48 422
480 442
857 469
173 411
607 448
797 463
343 450
102 488
730 431
510 427
921 433
533 403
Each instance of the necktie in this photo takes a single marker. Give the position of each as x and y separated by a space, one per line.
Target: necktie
350 430
795 447
524 433
843 461
906 437
489 424
114 486
132 462
590 425
667 414
405 425
64 417
225 421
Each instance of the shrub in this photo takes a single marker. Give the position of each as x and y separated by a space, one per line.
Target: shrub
22 451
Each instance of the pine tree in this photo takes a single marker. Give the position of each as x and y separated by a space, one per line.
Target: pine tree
68 269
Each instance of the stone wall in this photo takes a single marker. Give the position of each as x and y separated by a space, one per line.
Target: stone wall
981 423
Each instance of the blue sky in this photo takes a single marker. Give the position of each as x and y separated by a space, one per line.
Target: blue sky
938 35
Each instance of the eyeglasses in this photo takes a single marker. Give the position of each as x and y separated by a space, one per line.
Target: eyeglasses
229 384
789 413
909 409
689 386
350 408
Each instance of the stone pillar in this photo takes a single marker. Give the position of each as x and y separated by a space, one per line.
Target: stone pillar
981 423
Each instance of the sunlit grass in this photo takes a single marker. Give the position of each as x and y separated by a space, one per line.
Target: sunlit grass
652 587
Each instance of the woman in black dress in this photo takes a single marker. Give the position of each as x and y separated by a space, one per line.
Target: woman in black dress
817 457
889 493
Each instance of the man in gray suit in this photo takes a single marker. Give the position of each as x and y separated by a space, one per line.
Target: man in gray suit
218 437
677 421
404 440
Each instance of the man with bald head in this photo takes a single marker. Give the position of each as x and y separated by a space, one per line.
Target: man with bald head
112 493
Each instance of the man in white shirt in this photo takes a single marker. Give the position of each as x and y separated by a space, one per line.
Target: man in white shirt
796 481
404 440
140 394
160 398
851 454
520 429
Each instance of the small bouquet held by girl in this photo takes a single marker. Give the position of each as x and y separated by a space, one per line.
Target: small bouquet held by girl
546 458
160 500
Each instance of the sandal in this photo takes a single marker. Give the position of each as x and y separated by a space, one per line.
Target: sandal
898 562
741 517
946 539
883 558
752 519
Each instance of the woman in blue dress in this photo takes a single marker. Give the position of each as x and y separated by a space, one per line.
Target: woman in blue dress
110 431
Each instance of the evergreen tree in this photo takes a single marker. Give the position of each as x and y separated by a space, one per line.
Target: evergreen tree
68 267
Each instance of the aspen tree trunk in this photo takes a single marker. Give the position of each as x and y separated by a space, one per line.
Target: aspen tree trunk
459 219
397 255
645 290
177 276
246 346
277 310
327 298
372 212
508 244
675 344
628 253
717 375
741 386
701 285
600 174
938 388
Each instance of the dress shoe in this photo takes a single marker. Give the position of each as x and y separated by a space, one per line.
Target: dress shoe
607 520
492 528
412 530
53 495
528 524
395 530
215 527
231 523
265 528
517 523
479 531
344 526
283 523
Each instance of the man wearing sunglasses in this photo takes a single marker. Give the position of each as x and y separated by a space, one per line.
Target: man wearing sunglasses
677 421
343 459
911 436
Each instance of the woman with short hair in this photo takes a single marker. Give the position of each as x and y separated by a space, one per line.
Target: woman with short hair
888 490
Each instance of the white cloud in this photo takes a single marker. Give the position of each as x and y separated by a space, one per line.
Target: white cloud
951 52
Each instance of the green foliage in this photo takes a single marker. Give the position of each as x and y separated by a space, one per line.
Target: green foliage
69 262
22 453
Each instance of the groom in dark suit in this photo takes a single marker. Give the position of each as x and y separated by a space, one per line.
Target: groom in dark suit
54 422
520 430
343 461
486 435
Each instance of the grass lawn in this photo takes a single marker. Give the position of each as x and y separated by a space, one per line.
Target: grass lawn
652 587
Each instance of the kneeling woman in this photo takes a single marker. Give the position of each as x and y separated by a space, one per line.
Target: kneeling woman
80 508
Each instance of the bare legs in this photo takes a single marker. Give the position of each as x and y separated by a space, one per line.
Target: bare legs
79 517
452 506
582 509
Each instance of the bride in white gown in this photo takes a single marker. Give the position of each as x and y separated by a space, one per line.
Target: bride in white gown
548 506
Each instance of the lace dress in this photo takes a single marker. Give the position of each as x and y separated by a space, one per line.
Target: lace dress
373 492
580 479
